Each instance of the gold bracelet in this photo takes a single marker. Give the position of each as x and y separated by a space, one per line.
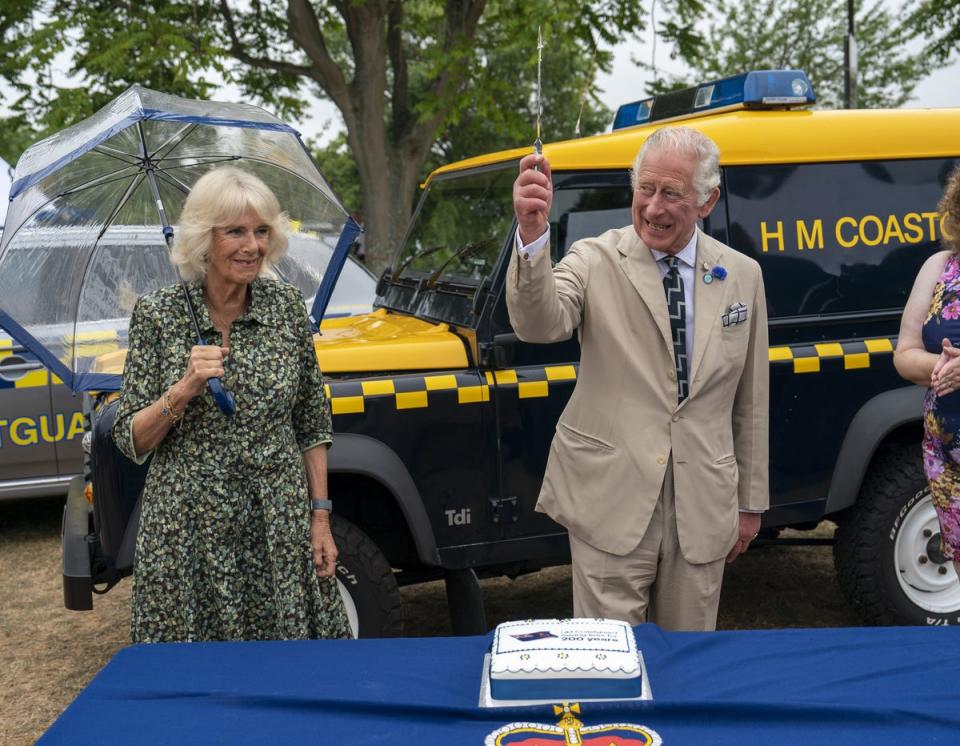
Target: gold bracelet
168 411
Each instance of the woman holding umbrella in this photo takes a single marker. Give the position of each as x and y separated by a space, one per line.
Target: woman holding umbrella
235 540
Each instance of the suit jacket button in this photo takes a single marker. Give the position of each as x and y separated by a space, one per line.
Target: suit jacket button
661 460
676 418
671 374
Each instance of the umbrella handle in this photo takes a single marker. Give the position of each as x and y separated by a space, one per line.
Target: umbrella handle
221 396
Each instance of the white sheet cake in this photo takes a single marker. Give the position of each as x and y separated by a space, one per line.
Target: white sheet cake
565 659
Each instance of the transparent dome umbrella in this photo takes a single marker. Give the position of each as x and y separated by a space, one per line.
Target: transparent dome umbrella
92 209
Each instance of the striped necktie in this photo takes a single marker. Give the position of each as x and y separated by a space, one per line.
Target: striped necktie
677 311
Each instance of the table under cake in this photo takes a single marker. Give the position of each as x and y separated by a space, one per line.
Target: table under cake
827 686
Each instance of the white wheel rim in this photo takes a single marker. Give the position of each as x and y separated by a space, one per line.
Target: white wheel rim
920 575
351 608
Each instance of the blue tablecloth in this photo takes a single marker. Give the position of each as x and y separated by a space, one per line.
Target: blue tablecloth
827 686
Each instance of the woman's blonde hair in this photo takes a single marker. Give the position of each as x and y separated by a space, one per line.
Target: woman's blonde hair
949 209
217 199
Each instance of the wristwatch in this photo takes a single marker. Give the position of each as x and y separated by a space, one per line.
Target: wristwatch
321 505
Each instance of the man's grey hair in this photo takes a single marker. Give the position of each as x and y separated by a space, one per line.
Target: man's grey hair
680 139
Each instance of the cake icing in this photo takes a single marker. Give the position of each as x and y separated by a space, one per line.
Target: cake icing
565 659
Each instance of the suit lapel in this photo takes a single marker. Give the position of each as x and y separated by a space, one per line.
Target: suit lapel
707 299
641 270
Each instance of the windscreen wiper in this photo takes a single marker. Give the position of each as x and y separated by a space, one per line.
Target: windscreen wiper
413 257
465 251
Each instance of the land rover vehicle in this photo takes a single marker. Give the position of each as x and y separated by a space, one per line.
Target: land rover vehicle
40 424
41 421
443 418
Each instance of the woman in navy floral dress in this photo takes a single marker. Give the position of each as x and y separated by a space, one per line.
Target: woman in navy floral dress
928 353
228 548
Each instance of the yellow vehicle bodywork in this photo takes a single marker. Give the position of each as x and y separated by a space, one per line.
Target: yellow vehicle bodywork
370 343
759 137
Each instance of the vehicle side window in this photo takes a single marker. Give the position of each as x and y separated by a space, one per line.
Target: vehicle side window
118 274
586 212
836 238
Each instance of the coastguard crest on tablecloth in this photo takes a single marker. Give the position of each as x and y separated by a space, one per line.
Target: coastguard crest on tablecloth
569 731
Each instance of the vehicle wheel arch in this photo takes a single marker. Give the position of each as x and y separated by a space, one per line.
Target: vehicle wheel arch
891 417
357 459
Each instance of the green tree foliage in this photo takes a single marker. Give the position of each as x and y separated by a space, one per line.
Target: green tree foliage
416 81
15 131
937 21
419 81
809 35
503 112
110 45
482 124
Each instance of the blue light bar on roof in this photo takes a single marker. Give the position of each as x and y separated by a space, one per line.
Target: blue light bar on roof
757 89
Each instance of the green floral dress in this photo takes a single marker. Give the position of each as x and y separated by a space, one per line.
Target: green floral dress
224 549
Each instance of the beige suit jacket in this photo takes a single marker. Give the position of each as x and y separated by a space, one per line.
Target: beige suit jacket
612 443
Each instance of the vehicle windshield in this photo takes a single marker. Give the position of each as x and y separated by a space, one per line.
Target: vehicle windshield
458 231
305 264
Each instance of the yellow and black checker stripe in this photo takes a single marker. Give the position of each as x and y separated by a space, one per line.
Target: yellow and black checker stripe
416 392
407 392
532 383
846 355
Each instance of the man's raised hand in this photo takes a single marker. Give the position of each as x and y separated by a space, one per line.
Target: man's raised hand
532 197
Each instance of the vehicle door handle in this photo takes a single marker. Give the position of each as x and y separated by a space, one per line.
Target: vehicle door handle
19 367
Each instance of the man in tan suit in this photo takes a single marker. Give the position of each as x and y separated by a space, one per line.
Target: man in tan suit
658 468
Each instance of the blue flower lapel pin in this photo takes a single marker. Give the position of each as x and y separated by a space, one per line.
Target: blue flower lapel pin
717 273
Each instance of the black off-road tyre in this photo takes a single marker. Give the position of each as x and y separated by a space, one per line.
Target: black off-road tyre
365 574
888 512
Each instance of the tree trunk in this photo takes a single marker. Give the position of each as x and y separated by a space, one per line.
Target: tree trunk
389 147
388 201
388 177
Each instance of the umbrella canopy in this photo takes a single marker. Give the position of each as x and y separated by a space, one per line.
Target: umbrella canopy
84 233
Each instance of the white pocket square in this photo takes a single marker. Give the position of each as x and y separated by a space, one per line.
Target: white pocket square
736 315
